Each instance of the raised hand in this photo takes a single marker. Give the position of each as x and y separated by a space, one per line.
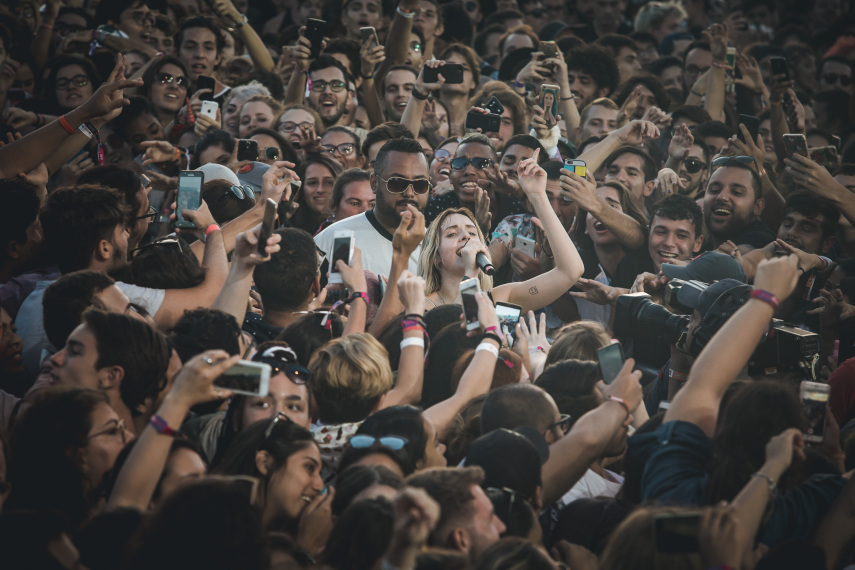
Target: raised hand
157 152
371 57
630 104
668 181
18 118
423 87
303 51
626 385
719 536
531 176
751 76
416 515
595 292
681 142
658 117
410 231
482 209
778 276
813 177
411 292
807 261
535 71
246 248
716 35
276 182
107 102
194 383
580 190
353 275
637 132
500 182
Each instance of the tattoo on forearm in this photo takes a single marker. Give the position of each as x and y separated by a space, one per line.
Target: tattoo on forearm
532 291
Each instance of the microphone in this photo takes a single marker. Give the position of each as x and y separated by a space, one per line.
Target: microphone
484 264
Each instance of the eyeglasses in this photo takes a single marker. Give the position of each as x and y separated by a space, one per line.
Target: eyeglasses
142 17
166 78
290 126
280 417
693 165
416 47
282 359
725 160
503 492
399 185
336 86
563 424
241 192
344 149
116 430
393 442
159 242
78 81
461 162
150 215
442 155
844 80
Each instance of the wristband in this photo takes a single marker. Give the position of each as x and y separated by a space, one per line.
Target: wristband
696 94
242 23
766 297
363 76
418 94
177 155
826 262
211 228
622 402
719 64
761 172
160 426
772 482
678 376
405 13
359 295
65 125
570 98
494 329
494 350
412 341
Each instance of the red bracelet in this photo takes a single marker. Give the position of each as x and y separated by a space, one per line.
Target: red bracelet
160 426
766 297
359 295
65 125
211 228
498 332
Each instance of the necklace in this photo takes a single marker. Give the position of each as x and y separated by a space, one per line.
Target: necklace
441 300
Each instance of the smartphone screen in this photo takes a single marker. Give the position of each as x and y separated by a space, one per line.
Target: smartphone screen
752 124
246 377
549 99
247 149
267 225
795 144
509 316
341 250
814 397
470 305
677 533
611 361
205 82
315 34
189 195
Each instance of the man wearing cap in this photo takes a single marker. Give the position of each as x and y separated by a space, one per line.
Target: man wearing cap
733 203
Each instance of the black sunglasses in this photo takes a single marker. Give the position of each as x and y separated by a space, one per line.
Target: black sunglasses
399 185
283 359
461 162
167 78
693 165
725 160
280 417
844 80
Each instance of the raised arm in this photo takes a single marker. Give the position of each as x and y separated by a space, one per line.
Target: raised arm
254 46
411 367
294 93
412 117
540 291
714 101
583 191
634 132
398 37
353 279
821 183
478 375
193 385
730 348
371 57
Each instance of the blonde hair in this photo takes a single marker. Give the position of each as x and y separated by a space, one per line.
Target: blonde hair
429 262
275 106
316 118
349 375
579 340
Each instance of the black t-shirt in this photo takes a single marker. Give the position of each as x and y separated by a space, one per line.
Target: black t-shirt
756 234
260 330
632 265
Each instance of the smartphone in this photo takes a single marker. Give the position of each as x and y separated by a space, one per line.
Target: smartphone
549 99
753 126
488 123
549 49
795 144
315 33
369 32
494 106
342 249
209 109
525 245
189 195
205 82
509 315
611 361
246 377
825 156
452 72
576 166
780 66
468 289
247 149
677 533
267 226
730 56
814 397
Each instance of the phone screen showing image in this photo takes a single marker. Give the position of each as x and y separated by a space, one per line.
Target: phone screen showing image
189 195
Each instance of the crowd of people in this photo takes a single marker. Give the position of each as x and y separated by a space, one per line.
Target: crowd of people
549 284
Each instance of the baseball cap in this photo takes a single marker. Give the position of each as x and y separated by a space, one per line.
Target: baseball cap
509 459
214 171
701 296
707 268
251 174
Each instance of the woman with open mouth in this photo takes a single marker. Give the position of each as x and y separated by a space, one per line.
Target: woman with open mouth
166 84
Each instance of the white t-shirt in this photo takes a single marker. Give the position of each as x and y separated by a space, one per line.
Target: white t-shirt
591 486
370 237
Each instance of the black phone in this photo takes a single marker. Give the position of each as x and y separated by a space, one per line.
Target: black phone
267 226
247 149
549 49
205 82
780 66
795 144
677 533
488 123
189 195
752 124
369 32
494 106
452 72
315 30
611 361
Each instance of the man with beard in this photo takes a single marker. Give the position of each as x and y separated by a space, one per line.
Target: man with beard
733 203
400 182
690 160
329 89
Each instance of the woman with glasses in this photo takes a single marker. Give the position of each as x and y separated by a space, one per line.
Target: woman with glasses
318 174
342 144
166 84
71 81
61 449
301 126
454 239
272 146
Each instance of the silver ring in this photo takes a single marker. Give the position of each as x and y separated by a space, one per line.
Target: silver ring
208 360
219 394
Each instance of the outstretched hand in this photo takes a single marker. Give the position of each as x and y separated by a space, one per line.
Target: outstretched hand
531 176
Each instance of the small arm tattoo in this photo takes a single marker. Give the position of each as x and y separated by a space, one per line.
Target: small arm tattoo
532 291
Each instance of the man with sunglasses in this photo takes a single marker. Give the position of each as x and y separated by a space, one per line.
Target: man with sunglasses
399 181
690 160
835 72
329 92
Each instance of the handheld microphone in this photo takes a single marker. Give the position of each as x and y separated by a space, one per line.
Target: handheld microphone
484 264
